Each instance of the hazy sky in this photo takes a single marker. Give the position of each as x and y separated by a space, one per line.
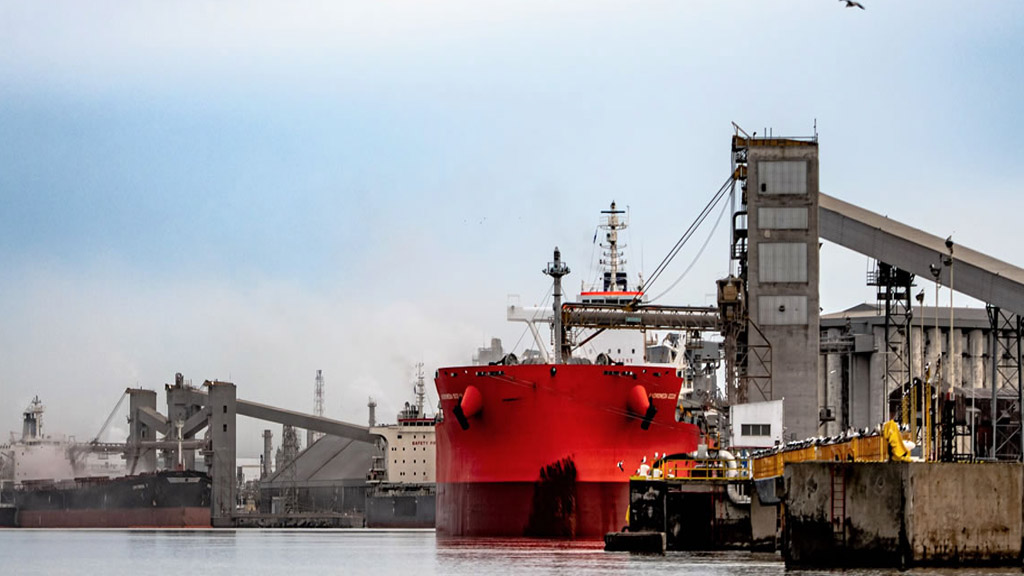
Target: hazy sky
255 190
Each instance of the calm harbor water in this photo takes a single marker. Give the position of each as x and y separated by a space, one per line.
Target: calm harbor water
372 552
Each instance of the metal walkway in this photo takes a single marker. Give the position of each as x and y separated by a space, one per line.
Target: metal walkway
975 274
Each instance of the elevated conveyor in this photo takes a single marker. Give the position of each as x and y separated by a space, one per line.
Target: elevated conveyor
977 275
307 421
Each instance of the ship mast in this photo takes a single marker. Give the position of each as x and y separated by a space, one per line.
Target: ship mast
556 270
611 251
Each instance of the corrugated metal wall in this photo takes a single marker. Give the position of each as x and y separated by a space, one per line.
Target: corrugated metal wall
783 177
782 218
783 262
782 310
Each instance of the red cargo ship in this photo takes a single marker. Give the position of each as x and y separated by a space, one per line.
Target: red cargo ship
546 447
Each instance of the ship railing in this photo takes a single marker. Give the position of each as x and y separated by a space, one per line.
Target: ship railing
701 470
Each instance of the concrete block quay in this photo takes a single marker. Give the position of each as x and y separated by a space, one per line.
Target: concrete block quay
902 514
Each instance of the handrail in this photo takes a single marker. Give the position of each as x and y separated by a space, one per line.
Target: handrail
699 470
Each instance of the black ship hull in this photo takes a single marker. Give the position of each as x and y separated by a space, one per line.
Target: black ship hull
162 499
401 506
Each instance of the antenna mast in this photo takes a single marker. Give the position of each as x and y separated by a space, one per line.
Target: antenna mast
318 394
556 270
318 407
420 389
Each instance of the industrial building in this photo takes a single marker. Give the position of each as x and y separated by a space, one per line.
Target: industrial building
841 371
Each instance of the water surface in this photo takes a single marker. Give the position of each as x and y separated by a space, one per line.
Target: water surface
371 552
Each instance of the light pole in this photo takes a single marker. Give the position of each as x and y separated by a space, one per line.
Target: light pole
924 405
952 347
933 401
949 262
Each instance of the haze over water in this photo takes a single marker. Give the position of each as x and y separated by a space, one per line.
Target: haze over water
322 552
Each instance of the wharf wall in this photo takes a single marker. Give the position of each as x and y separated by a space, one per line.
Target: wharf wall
839 514
764 516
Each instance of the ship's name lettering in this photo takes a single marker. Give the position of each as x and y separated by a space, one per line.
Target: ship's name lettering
451 396
663 396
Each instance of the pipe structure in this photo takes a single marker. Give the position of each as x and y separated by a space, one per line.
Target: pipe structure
645 317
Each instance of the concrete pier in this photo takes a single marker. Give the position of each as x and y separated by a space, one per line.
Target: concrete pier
764 515
902 514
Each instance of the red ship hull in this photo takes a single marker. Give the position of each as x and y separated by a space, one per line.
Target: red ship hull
534 450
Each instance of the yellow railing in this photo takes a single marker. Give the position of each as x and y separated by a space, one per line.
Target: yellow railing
867 449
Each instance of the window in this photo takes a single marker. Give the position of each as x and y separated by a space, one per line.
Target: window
756 430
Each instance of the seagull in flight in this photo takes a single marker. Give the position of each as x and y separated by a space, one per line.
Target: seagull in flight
853 4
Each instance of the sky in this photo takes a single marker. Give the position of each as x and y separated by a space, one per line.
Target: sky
252 191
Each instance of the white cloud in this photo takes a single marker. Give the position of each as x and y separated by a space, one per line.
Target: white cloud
77 336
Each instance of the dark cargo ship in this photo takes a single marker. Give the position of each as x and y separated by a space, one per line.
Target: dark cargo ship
170 499
401 490
48 482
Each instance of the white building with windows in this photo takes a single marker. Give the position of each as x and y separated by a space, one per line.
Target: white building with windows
756 425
